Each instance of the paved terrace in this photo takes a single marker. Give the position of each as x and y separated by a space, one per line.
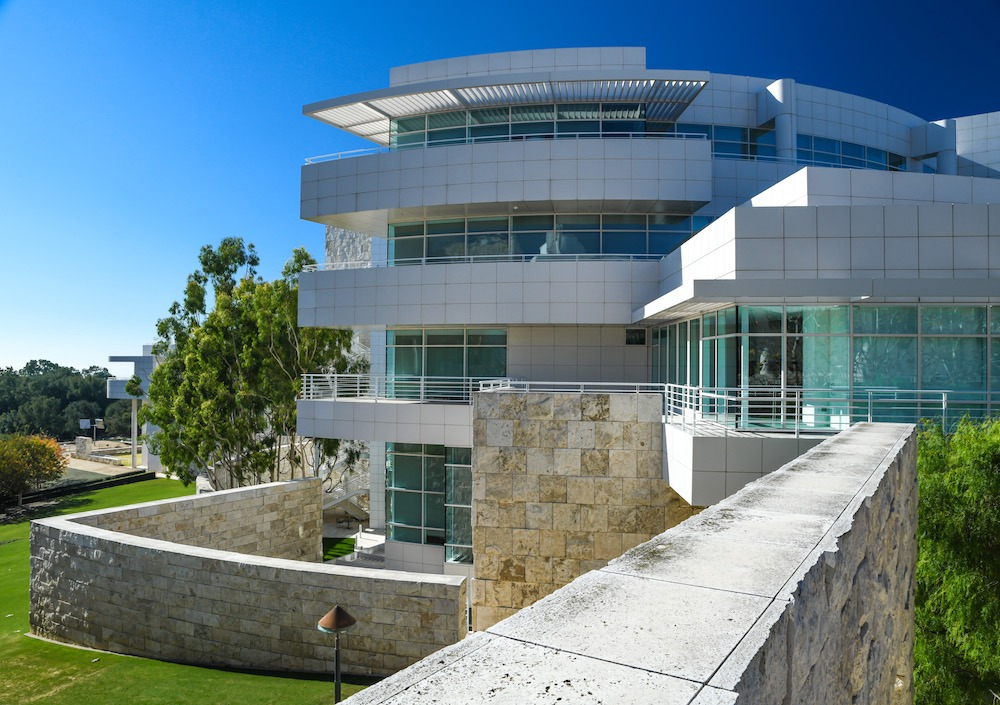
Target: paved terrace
799 588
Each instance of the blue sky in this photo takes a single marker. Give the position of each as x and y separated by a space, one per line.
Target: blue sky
133 132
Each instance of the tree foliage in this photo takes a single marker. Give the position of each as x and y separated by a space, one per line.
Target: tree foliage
224 396
28 462
958 568
49 399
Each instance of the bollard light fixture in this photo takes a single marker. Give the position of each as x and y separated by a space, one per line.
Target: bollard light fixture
334 622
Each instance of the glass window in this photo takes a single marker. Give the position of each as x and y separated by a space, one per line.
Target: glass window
693 129
402 533
406 230
404 472
486 244
822 144
994 319
410 124
824 362
763 361
578 111
624 243
618 127
445 336
727 321
406 248
489 116
445 227
577 243
804 141
487 336
532 128
446 246
406 507
489 133
452 119
662 244
760 319
434 475
708 325
459 456
578 222
624 222
852 150
459 486
528 243
885 319
623 111
885 362
521 223
725 133
953 363
445 362
532 113
953 320
454 135
487 362
488 225
405 337
576 127
820 319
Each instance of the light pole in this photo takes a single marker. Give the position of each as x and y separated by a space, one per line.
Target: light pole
334 622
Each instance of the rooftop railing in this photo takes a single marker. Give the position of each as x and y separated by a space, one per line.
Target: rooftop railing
816 410
507 138
472 259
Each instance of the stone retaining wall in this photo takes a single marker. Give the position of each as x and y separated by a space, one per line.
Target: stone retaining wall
102 579
562 483
798 589
280 520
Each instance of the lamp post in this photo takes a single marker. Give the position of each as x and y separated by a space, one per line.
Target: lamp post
334 622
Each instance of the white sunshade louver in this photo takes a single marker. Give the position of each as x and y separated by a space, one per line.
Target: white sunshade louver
418 103
350 115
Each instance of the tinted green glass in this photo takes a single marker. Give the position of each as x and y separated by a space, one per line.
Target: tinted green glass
405 337
623 111
434 475
446 246
624 222
434 511
532 128
459 526
489 115
885 362
452 119
885 319
624 243
411 124
458 456
573 127
445 336
459 485
405 507
727 321
953 363
821 319
406 248
708 325
825 362
953 320
445 227
532 113
760 319
407 535
489 133
487 336
527 243
995 367
763 362
484 244
521 223
728 362
578 111
406 229
445 362
454 135
793 361
487 362
404 472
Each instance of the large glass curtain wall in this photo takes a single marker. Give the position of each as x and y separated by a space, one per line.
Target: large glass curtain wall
570 120
844 352
519 236
453 357
827 152
429 497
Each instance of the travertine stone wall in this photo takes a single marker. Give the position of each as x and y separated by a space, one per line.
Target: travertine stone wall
798 589
562 483
280 520
103 580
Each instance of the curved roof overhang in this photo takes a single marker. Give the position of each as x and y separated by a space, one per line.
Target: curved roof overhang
666 95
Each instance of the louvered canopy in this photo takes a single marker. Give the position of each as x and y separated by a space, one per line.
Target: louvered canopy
368 115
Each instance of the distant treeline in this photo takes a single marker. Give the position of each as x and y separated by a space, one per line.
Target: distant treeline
49 399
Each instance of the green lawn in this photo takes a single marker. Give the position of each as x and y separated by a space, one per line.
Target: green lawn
335 548
34 671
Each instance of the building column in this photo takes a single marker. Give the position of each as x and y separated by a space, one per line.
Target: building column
777 102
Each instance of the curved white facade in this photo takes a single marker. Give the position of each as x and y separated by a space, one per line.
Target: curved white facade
571 216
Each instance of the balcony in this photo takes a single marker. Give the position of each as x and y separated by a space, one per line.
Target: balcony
620 174
551 289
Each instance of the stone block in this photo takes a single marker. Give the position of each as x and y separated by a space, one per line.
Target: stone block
525 488
551 544
580 490
540 461
566 407
552 489
622 407
538 515
526 433
538 405
566 461
580 434
608 434
595 407
500 433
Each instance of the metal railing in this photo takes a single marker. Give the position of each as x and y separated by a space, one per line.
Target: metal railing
472 259
518 385
506 138
455 390
817 410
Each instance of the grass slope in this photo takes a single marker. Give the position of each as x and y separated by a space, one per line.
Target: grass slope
34 671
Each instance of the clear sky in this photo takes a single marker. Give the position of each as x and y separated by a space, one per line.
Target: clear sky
132 132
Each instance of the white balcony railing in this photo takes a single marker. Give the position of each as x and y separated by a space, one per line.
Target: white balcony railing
712 409
817 410
456 390
470 259
508 138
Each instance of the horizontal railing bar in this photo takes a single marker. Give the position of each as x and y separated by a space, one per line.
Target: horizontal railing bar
473 259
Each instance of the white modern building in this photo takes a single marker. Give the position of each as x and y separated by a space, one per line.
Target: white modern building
775 260
143 366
